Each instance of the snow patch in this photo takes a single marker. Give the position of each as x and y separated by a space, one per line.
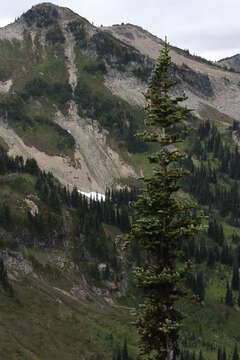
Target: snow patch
93 195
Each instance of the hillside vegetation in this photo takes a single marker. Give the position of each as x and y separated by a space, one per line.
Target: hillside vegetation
66 287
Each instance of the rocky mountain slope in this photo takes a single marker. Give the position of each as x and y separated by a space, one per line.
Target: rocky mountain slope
232 62
205 83
102 73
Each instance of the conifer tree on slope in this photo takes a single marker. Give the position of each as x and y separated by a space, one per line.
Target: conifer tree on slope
235 277
235 353
163 220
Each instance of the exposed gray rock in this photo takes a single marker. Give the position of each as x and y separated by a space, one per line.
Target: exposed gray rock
232 62
15 261
198 82
79 292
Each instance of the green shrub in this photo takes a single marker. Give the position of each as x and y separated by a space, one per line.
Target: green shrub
5 216
41 16
61 93
55 36
4 76
95 67
78 29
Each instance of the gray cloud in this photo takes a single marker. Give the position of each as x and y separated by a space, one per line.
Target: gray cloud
208 28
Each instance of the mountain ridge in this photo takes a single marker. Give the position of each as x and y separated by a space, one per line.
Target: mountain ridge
121 63
231 62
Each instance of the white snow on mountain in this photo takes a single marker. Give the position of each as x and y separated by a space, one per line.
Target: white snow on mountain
93 195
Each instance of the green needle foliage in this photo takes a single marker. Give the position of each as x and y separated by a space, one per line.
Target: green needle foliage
164 219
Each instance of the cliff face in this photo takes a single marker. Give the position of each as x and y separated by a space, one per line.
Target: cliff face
71 94
232 62
204 83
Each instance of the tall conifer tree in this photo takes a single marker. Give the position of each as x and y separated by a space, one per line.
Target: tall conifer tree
162 219
229 296
235 277
224 354
235 353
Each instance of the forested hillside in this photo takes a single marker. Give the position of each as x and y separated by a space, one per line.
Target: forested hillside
71 104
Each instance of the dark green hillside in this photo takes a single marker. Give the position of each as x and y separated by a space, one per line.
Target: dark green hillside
212 313
86 219
41 221
212 319
48 324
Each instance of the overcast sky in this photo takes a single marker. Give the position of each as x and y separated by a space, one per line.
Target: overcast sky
210 28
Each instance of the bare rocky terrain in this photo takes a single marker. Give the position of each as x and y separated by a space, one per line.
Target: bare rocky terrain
232 62
69 174
103 165
127 87
5 86
225 84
